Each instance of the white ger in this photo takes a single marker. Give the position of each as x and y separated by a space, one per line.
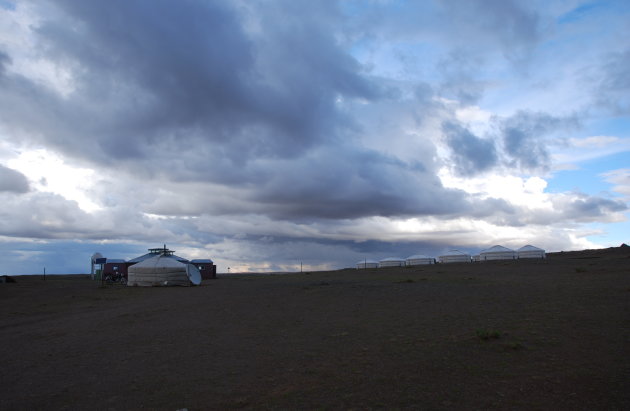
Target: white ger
455 256
162 270
529 251
419 259
497 252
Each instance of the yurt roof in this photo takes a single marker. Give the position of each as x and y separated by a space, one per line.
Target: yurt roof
202 261
419 257
497 249
454 252
115 260
392 259
158 260
530 248
150 255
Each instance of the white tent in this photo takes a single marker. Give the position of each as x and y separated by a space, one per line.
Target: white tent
529 251
391 262
367 264
497 253
162 270
454 256
419 259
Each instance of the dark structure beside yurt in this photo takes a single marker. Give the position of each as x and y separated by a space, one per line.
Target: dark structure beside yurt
206 267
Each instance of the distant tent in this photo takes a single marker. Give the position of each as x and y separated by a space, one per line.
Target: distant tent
419 259
454 256
497 253
391 262
162 270
529 251
367 264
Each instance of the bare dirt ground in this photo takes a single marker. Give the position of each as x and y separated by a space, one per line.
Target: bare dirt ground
551 334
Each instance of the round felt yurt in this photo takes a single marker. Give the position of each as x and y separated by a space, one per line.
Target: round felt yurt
529 251
367 264
391 262
419 259
162 270
497 252
454 256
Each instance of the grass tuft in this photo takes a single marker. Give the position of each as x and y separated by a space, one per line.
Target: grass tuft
485 334
514 345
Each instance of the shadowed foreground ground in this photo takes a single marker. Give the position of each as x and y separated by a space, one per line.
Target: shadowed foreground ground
551 334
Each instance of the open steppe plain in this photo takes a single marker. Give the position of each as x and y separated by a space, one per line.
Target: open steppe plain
552 334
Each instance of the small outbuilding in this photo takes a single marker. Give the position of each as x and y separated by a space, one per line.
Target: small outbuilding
391 262
419 259
114 267
206 267
529 251
455 256
367 264
497 252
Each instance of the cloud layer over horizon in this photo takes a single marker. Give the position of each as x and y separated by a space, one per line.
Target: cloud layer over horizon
265 133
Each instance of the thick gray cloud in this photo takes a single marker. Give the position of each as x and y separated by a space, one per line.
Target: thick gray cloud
470 154
525 137
197 77
587 208
12 180
219 101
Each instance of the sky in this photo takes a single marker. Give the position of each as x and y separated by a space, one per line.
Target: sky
269 134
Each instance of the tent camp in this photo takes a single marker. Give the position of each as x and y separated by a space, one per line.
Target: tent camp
497 252
529 251
391 262
161 270
454 256
367 264
419 259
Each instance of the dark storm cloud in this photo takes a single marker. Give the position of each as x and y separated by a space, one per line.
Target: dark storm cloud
191 69
524 136
346 184
470 154
587 208
189 85
201 92
331 183
12 180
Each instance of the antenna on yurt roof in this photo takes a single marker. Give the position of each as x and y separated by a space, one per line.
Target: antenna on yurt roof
161 250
